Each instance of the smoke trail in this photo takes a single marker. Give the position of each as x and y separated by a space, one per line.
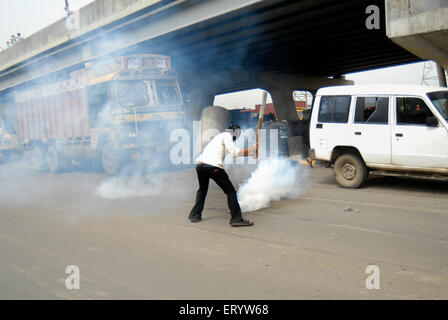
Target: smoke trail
139 179
123 187
273 180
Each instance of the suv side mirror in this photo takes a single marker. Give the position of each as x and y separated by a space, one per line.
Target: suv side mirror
431 121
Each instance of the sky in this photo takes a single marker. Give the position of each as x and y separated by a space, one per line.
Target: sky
29 16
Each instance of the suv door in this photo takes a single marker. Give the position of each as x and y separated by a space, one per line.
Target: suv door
330 125
371 130
415 144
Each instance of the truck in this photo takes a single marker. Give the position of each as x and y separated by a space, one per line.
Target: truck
8 136
110 113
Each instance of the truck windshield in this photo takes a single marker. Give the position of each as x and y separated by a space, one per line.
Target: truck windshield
440 101
133 93
168 93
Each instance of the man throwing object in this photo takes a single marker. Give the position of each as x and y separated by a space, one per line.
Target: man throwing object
210 166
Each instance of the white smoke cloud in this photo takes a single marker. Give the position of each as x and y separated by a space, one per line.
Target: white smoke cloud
140 178
123 187
273 180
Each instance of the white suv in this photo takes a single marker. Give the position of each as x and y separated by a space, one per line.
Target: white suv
389 129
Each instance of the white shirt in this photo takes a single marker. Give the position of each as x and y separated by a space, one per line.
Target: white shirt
216 150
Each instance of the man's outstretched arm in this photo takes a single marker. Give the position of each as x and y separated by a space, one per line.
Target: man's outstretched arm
236 152
251 151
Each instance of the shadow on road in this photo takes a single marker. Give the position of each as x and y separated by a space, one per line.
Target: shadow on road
408 184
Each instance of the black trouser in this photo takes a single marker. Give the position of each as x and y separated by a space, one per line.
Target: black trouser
205 173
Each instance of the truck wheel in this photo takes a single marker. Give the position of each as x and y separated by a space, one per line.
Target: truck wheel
110 158
350 170
39 159
55 163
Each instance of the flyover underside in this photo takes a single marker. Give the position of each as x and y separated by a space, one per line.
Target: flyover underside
319 38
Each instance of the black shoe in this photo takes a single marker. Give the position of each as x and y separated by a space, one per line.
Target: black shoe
195 219
241 223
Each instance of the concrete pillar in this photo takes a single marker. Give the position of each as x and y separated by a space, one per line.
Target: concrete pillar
286 110
281 87
197 99
441 75
283 104
313 92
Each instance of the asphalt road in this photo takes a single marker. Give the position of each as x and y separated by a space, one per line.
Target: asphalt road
143 247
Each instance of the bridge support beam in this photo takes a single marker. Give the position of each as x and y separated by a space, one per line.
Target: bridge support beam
284 103
281 87
200 89
196 99
441 75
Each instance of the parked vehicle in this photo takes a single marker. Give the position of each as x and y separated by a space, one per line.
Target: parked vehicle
386 129
113 111
8 135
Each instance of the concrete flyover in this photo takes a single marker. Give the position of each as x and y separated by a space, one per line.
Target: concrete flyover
421 27
216 46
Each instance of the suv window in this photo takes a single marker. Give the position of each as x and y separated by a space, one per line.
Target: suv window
334 109
412 111
373 110
440 101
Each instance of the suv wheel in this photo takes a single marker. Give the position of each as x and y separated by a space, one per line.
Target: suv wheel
350 170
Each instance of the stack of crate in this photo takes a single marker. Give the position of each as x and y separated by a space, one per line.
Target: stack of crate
278 132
